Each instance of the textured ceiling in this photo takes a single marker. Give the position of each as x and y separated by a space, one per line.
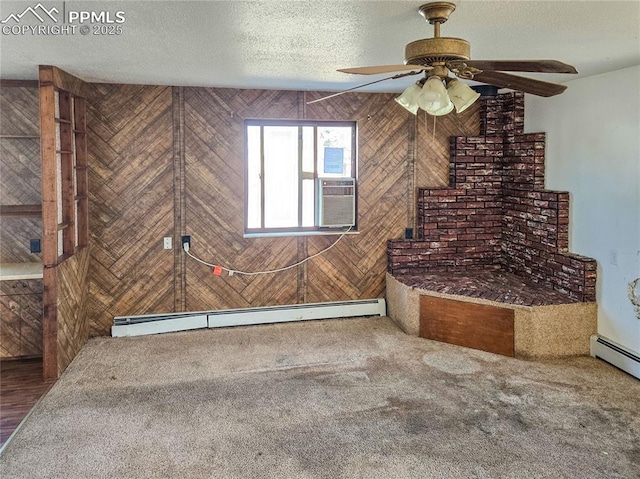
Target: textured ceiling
299 44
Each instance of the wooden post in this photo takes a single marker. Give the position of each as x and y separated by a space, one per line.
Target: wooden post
49 226
49 174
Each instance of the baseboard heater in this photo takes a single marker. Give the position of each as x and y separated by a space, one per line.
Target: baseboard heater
171 322
613 353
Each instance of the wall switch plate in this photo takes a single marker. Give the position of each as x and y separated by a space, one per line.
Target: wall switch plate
168 243
34 246
613 257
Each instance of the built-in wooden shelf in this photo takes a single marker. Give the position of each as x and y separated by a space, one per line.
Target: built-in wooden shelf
61 120
20 137
17 271
64 151
20 210
79 132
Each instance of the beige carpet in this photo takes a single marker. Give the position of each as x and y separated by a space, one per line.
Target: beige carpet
326 399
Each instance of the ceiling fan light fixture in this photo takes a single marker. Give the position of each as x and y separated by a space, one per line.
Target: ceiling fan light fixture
433 97
461 95
432 92
438 108
409 98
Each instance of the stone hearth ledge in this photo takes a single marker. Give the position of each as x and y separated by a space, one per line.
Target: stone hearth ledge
545 331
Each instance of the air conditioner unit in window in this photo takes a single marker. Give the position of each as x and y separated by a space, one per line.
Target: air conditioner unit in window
336 202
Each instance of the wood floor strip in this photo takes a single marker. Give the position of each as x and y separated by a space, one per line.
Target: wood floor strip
21 387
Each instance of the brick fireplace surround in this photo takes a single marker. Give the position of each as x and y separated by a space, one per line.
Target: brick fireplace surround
495 233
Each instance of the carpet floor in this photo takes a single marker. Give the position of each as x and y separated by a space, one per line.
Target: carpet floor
332 399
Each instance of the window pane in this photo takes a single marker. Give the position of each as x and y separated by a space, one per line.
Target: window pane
334 151
253 177
280 176
284 158
308 203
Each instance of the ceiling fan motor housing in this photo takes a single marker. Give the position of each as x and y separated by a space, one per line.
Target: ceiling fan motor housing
437 12
441 49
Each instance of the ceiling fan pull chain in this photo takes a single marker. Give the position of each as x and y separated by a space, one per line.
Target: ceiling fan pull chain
426 125
434 127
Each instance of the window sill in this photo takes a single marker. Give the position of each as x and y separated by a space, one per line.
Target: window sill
299 233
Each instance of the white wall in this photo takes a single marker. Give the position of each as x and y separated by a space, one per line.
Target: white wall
593 151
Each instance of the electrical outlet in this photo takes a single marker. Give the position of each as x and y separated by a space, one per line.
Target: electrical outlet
186 240
168 244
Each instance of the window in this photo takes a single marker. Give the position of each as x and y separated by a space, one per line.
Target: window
299 176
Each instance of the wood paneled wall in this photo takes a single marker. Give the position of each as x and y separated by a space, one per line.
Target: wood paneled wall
214 196
20 300
169 161
72 304
19 109
19 171
354 269
131 201
21 318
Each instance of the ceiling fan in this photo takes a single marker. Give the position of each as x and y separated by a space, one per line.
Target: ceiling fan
438 57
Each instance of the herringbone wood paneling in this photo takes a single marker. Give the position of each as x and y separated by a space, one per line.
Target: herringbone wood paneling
136 152
19 171
20 185
10 331
72 306
19 111
15 234
215 209
20 318
214 165
355 268
131 201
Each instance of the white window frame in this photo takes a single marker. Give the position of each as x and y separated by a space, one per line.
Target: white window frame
296 230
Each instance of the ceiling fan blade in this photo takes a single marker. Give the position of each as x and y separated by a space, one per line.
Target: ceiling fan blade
383 69
543 66
399 75
527 85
